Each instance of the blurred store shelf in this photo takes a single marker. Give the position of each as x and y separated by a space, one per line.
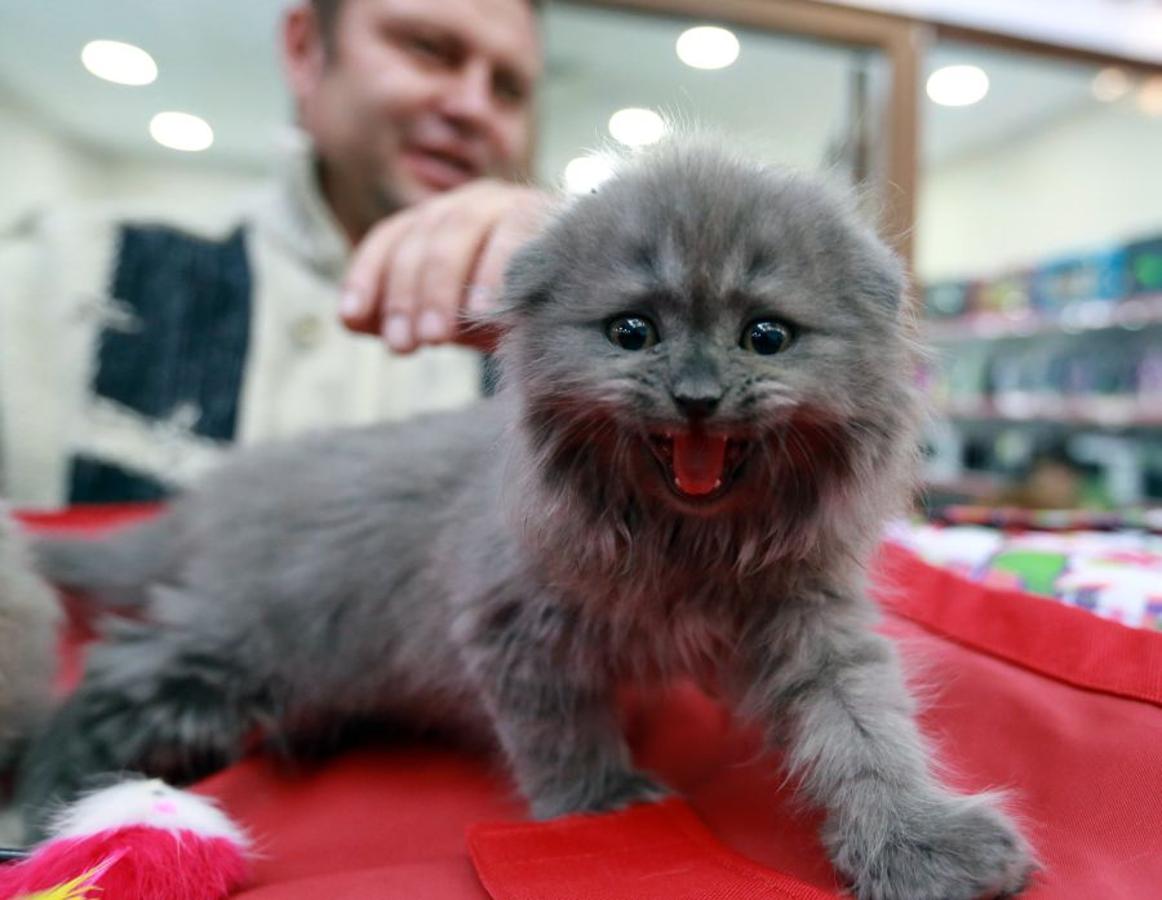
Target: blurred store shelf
1093 315
1077 412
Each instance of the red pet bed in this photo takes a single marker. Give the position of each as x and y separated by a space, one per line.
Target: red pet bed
1061 708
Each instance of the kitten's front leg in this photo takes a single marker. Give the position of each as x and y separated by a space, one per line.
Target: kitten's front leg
835 692
552 707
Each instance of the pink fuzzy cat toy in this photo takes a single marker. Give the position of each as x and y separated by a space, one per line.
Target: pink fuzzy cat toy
139 840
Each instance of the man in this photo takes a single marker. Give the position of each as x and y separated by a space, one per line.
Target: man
131 354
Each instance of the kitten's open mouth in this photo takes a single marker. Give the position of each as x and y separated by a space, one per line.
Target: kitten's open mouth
699 465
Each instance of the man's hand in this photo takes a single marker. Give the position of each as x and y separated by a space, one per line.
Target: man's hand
416 273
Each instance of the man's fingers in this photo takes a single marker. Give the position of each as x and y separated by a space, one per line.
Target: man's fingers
419 277
401 326
362 297
519 225
487 285
452 250
488 275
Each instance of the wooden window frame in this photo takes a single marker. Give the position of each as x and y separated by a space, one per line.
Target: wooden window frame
901 42
904 42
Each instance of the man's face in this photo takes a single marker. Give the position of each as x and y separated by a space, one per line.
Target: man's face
415 97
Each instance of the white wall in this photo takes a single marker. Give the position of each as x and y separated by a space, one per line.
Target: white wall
40 169
196 195
1087 179
37 170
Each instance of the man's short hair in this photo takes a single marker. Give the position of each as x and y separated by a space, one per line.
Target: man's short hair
327 12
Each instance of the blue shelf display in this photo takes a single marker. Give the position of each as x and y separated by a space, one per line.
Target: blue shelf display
1066 353
1106 275
1102 275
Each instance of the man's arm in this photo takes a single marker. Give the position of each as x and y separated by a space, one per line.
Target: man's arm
419 275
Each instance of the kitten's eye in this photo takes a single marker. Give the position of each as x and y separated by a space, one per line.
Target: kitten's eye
632 332
766 337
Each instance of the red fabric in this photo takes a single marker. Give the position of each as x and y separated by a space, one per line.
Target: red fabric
1061 707
656 852
135 863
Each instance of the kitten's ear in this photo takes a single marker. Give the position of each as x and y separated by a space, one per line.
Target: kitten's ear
526 284
529 279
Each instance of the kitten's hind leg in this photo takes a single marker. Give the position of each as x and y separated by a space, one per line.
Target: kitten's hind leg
147 705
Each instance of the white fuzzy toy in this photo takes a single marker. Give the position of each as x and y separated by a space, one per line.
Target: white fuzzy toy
138 840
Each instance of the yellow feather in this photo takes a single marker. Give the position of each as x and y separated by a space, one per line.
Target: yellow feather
77 889
81 887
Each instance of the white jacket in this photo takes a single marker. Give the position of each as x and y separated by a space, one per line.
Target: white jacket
303 369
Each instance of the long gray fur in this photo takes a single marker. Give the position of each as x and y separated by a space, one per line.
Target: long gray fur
29 617
498 571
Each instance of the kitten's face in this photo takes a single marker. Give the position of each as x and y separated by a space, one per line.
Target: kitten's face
706 329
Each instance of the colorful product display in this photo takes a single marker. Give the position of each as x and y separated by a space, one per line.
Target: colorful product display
1055 287
1144 264
947 299
1104 377
1038 357
1101 275
1116 575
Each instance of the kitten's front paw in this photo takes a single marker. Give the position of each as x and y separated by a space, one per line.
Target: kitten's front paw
961 849
607 792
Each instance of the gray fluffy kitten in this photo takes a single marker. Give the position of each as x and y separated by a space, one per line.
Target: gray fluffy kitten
707 414
29 616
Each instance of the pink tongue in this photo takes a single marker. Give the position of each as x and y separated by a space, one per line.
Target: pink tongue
698 462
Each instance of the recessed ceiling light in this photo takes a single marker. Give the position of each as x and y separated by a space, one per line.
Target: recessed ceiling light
181 131
707 47
1150 96
637 127
585 173
957 85
119 62
1110 84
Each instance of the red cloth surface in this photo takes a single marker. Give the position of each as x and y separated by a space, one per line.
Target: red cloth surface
1060 707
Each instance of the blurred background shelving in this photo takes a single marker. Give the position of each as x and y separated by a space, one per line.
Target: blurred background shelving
1046 382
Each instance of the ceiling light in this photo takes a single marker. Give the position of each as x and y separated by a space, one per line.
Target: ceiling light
637 127
1150 96
1110 84
957 85
122 63
707 47
585 173
181 131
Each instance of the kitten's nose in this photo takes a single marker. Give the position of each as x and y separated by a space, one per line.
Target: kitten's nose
697 402
696 386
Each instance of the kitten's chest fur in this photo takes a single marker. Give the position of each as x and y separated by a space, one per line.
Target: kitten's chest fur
666 617
657 638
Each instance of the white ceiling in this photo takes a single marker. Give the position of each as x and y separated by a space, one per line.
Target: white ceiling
1130 28
216 58
785 97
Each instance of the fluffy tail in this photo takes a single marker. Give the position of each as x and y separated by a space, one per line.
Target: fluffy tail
112 569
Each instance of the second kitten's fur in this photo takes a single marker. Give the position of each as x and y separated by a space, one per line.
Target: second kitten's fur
707 414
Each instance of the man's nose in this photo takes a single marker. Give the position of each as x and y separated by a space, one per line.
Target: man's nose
469 99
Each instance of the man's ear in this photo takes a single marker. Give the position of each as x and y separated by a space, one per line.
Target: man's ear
304 53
